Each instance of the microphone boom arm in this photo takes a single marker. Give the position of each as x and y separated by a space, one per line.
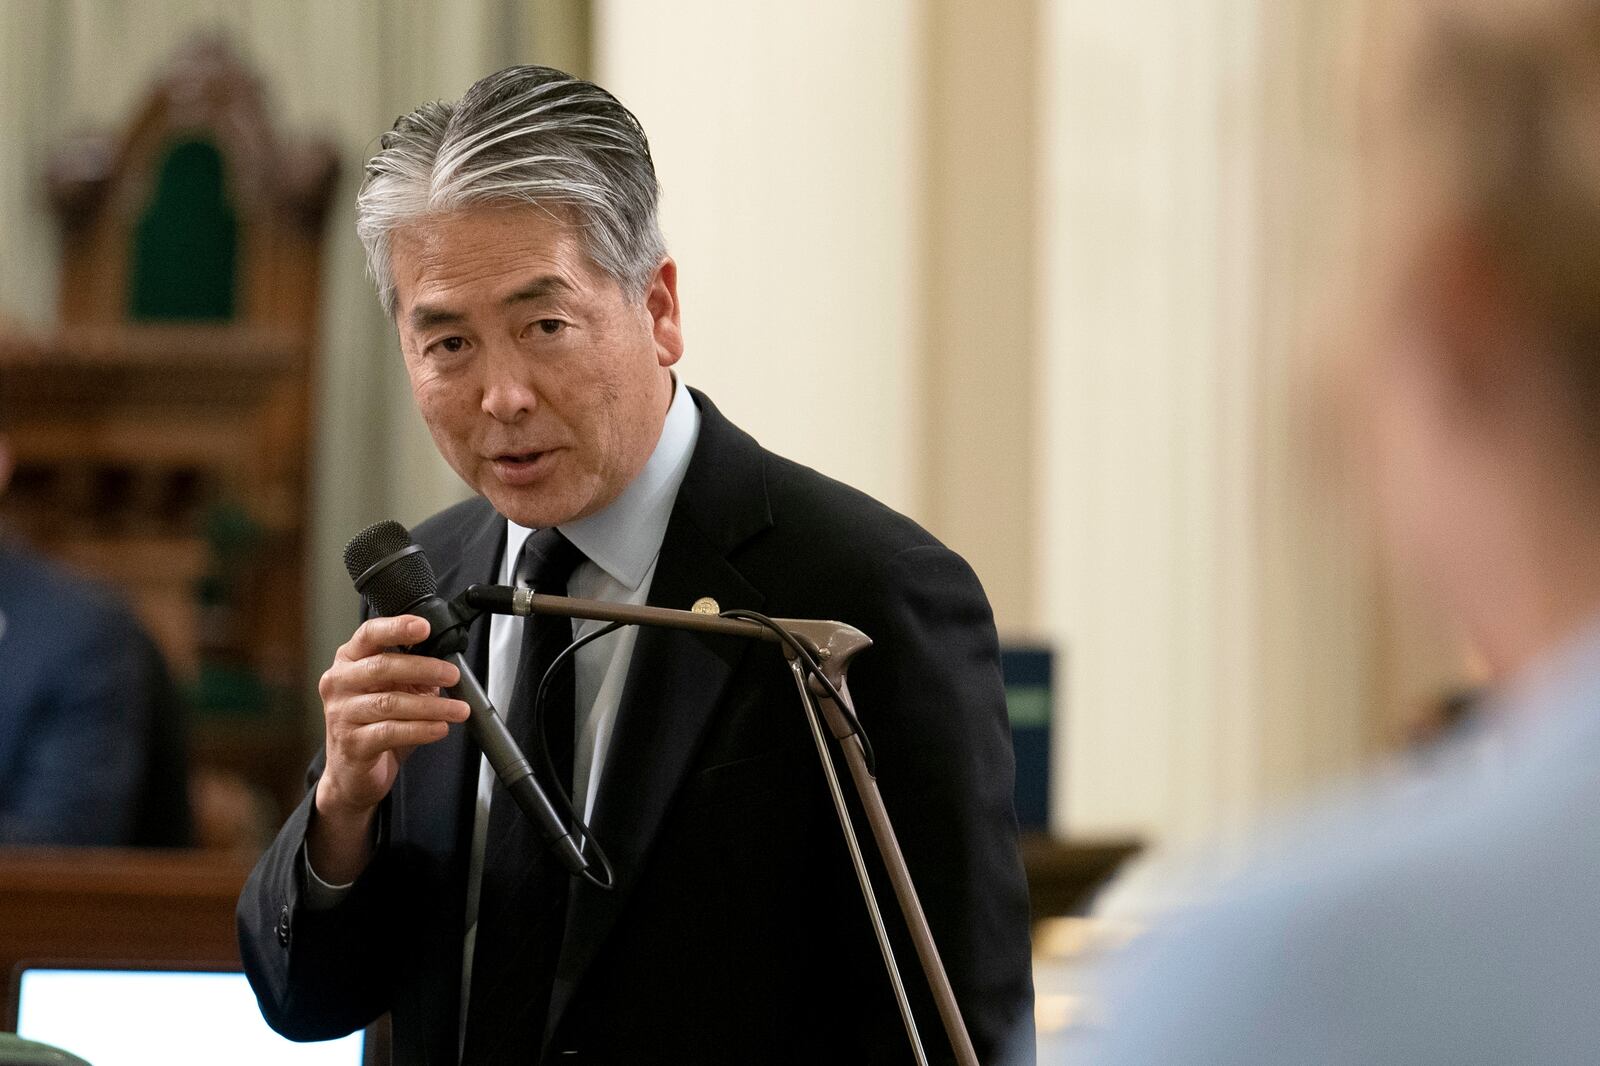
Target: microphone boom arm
830 645
504 599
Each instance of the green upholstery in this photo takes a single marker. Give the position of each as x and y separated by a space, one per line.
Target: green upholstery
185 244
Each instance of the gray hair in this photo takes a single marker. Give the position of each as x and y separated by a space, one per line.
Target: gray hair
526 135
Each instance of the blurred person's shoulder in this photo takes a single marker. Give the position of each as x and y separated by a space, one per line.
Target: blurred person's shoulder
38 590
1444 916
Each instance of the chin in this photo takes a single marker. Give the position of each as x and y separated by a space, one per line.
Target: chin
522 507
550 502
538 509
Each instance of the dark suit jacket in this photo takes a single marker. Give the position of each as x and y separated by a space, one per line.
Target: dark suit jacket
91 746
736 932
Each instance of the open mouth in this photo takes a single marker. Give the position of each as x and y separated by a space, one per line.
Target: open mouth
517 468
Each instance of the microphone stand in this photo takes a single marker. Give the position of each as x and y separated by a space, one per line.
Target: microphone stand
831 645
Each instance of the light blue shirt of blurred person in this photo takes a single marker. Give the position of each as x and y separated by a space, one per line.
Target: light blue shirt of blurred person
1451 916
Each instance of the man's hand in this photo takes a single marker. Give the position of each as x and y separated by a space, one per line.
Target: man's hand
379 705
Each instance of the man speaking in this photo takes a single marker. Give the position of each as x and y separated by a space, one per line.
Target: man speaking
513 239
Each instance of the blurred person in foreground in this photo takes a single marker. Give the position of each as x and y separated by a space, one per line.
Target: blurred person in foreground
90 753
513 237
1451 918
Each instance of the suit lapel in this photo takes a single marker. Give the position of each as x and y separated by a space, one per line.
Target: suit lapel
675 682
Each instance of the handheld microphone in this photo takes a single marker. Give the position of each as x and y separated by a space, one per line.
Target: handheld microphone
392 572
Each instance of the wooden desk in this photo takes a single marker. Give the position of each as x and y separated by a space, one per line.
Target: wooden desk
105 905
110 905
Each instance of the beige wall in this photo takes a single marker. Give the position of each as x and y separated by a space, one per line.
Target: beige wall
1207 566
787 141
848 189
980 328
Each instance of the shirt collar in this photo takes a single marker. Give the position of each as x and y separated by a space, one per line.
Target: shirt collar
624 538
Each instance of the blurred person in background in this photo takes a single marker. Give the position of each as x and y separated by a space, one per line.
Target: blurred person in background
91 749
1448 916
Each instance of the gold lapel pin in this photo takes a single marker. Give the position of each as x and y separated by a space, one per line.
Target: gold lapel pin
706 605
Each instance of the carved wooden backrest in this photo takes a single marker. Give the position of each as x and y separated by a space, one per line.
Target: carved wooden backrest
103 186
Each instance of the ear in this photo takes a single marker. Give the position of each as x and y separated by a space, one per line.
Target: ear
661 303
1472 307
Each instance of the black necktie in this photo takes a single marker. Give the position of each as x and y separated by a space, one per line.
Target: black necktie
522 901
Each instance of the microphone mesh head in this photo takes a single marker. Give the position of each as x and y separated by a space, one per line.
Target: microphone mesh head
401 583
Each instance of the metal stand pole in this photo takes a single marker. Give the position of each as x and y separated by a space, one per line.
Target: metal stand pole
836 643
808 707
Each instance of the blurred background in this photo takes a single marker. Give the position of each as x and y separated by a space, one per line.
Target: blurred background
1065 282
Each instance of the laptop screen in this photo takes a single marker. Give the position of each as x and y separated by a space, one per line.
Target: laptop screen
161 1018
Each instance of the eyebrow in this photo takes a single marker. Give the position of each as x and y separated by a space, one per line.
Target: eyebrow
426 316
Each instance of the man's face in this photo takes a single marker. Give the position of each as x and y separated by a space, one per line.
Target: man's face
543 385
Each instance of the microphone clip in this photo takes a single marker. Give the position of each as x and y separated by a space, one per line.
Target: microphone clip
447 620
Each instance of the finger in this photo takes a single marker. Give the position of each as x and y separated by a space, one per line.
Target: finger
378 634
368 742
402 707
393 670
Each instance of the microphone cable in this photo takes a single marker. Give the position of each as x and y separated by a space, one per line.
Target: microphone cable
801 652
587 838
588 841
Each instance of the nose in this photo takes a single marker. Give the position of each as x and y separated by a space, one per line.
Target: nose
507 395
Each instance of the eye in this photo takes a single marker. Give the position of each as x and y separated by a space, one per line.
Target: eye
453 345
550 326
